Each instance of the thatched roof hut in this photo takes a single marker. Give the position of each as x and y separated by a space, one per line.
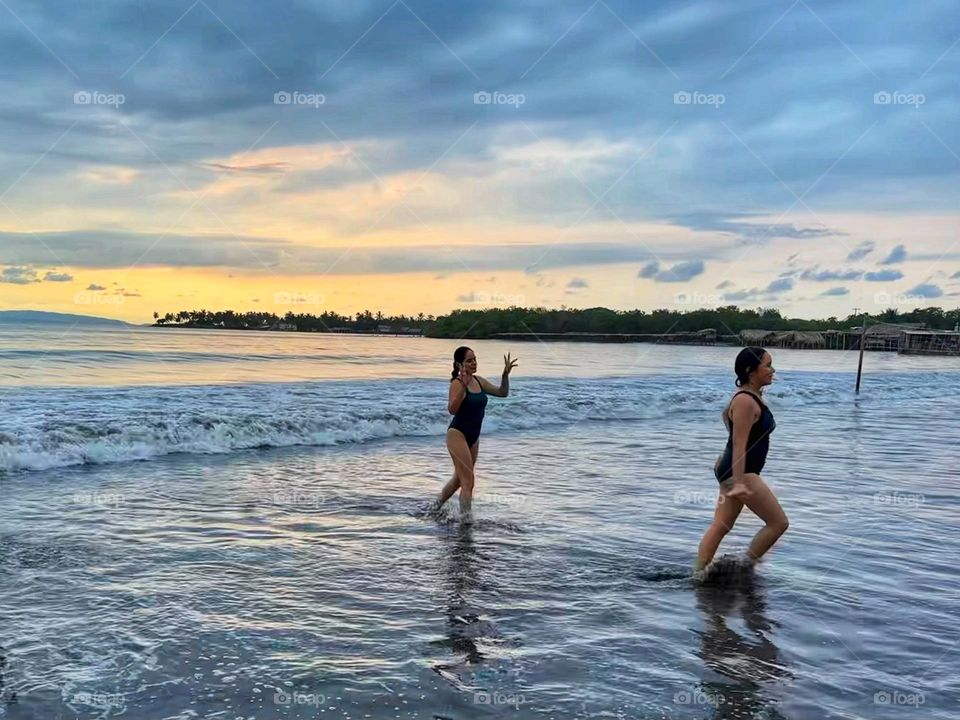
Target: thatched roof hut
755 337
783 338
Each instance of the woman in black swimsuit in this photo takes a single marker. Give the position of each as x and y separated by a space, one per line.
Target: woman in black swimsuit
749 423
467 402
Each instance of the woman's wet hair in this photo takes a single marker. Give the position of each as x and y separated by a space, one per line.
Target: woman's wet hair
748 360
458 357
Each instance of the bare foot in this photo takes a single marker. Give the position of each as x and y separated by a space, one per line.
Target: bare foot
740 490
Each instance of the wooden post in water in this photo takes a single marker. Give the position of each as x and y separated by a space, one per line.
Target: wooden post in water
863 339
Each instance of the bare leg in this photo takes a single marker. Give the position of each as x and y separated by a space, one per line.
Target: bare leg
451 487
763 503
728 509
448 490
463 466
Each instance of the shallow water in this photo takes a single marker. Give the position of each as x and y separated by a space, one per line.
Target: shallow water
269 556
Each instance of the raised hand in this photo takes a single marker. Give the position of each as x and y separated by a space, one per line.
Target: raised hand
508 364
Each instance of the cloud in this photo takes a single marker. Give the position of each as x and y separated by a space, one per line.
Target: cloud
861 250
200 97
835 292
19 276
926 290
770 292
829 275
681 272
883 275
94 286
254 169
649 270
780 285
57 277
577 283
724 284
955 276
749 233
897 255
115 249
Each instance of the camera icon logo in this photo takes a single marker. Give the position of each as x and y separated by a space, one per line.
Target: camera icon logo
482 98
281 98
681 98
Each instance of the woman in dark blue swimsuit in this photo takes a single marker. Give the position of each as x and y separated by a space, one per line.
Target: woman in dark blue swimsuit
467 402
749 424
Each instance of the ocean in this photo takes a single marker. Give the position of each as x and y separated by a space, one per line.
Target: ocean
217 524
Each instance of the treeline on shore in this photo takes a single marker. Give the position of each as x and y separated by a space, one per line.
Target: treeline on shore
478 323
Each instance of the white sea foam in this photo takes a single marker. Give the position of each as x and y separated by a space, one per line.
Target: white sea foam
58 427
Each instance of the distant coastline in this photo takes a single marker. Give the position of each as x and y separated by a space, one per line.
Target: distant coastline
728 325
42 317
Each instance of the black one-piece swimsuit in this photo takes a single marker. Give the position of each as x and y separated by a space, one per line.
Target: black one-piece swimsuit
757 444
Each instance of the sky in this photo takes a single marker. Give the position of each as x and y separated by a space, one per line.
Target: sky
417 156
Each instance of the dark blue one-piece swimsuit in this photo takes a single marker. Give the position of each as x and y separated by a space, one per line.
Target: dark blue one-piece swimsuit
757 444
469 416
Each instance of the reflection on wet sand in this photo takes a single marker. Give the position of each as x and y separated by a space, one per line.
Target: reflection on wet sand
748 662
464 624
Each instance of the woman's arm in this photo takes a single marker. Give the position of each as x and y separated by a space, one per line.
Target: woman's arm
745 413
490 389
458 391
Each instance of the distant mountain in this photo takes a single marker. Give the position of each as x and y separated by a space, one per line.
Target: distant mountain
39 317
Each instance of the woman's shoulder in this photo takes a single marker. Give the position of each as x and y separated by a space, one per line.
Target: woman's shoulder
751 398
